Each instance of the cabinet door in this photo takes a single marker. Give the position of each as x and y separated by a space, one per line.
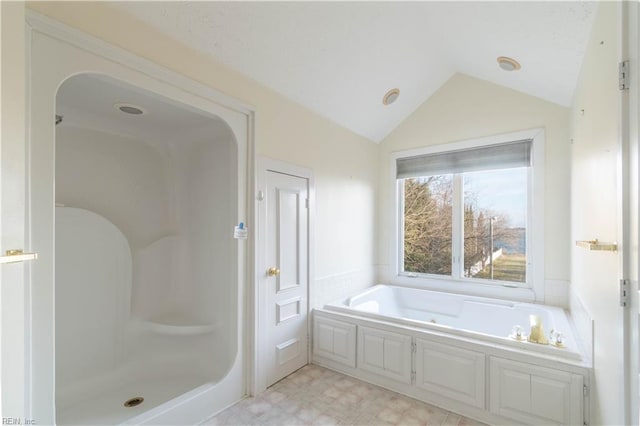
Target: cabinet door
535 395
385 353
334 340
451 372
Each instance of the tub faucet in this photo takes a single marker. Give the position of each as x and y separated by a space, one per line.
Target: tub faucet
536 335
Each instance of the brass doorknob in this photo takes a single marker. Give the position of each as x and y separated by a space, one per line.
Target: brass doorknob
273 271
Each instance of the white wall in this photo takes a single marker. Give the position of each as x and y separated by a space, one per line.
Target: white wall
206 195
595 209
344 164
128 182
467 108
123 179
93 285
175 203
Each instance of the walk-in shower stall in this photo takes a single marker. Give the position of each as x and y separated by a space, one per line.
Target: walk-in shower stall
146 264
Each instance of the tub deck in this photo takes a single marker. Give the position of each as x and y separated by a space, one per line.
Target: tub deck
485 319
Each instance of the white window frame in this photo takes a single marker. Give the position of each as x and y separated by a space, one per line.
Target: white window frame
533 289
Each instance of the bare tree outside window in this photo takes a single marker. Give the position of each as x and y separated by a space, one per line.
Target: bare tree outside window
427 224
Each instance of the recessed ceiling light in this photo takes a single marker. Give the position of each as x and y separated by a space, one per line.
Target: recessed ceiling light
130 109
508 64
391 96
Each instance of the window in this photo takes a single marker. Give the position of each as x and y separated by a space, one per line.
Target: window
467 211
428 208
495 221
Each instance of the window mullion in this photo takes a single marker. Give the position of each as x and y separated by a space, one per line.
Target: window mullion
457 228
400 252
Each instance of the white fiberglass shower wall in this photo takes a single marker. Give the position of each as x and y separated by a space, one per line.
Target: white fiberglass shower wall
138 292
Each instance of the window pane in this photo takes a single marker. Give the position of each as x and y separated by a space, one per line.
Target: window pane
427 224
495 216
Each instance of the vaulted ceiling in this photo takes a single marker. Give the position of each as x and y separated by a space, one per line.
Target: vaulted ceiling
340 58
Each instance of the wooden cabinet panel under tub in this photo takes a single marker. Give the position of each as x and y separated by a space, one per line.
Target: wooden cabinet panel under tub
334 340
385 353
451 372
535 395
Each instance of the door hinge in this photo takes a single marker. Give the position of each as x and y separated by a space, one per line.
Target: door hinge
623 75
414 347
413 376
624 292
585 391
306 203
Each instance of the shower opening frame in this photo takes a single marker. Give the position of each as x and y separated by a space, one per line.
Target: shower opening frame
117 63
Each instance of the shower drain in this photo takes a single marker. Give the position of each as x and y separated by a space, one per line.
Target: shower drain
134 402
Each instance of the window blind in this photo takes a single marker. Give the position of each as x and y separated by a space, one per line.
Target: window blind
490 157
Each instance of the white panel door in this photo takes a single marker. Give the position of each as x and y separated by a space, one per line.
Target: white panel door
598 208
286 275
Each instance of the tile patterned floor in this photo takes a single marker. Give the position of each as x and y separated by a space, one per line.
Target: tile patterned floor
316 396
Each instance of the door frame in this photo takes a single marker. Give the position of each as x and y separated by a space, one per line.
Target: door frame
168 83
259 342
629 134
14 292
